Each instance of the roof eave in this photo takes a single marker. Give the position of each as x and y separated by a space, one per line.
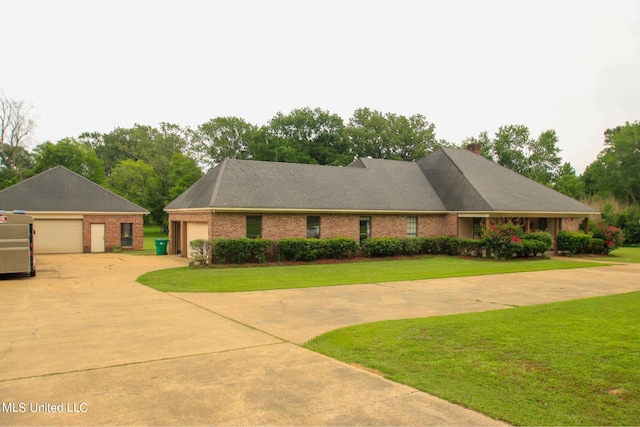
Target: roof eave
309 210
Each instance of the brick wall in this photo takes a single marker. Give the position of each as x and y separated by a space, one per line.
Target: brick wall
571 224
112 231
340 226
279 226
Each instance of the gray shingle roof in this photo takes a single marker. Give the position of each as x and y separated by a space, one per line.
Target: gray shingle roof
446 180
366 185
467 182
61 190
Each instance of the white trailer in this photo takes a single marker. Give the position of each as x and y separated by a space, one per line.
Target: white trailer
16 243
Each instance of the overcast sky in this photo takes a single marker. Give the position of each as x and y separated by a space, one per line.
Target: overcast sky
468 66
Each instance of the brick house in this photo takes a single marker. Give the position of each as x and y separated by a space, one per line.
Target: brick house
73 214
451 192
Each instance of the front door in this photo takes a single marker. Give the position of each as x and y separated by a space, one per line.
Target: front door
97 237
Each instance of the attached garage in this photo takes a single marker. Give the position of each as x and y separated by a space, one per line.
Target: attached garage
74 215
57 236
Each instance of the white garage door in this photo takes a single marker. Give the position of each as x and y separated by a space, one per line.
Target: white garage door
195 231
57 236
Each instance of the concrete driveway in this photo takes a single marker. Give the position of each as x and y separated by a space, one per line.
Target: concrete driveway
84 344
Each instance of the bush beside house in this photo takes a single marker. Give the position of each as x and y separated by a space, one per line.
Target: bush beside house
503 241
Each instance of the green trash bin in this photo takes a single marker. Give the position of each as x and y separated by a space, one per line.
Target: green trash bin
161 246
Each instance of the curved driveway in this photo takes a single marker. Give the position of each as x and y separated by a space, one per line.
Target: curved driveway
84 344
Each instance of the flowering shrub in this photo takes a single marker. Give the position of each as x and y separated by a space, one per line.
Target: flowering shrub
503 241
613 237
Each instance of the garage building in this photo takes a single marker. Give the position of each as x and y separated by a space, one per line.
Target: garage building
73 214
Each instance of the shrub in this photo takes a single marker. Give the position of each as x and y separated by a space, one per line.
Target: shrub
596 246
382 246
200 251
613 237
572 242
300 249
432 245
411 246
536 243
241 250
532 247
341 247
468 247
503 241
296 249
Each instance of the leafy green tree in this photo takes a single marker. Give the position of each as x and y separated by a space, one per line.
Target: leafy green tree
138 182
154 146
136 152
303 136
391 136
72 154
616 171
22 165
223 138
183 172
569 183
514 148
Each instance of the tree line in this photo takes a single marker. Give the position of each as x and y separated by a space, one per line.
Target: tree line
152 165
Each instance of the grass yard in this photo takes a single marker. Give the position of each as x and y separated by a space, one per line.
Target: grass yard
624 254
238 279
569 363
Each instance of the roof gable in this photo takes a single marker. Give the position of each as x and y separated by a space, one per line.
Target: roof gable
61 190
468 182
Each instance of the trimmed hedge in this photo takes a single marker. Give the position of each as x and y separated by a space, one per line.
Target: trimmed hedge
243 250
296 249
581 243
573 242
382 247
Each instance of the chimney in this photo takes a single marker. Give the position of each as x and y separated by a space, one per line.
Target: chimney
475 148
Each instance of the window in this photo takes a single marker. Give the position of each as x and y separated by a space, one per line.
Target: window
365 228
412 226
126 234
542 224
254 227
478 227
313 227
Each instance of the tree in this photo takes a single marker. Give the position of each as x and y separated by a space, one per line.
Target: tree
391 136
513 148
138 182
133 151
15 129
304 136
569 183
72 154
223 138
616 171
183 172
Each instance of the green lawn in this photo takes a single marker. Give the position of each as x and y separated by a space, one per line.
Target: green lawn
624 254
569 363
238 279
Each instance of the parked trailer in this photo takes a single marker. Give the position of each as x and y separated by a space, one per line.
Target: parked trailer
16 243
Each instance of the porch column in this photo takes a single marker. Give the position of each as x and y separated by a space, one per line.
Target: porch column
184 245
556 226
